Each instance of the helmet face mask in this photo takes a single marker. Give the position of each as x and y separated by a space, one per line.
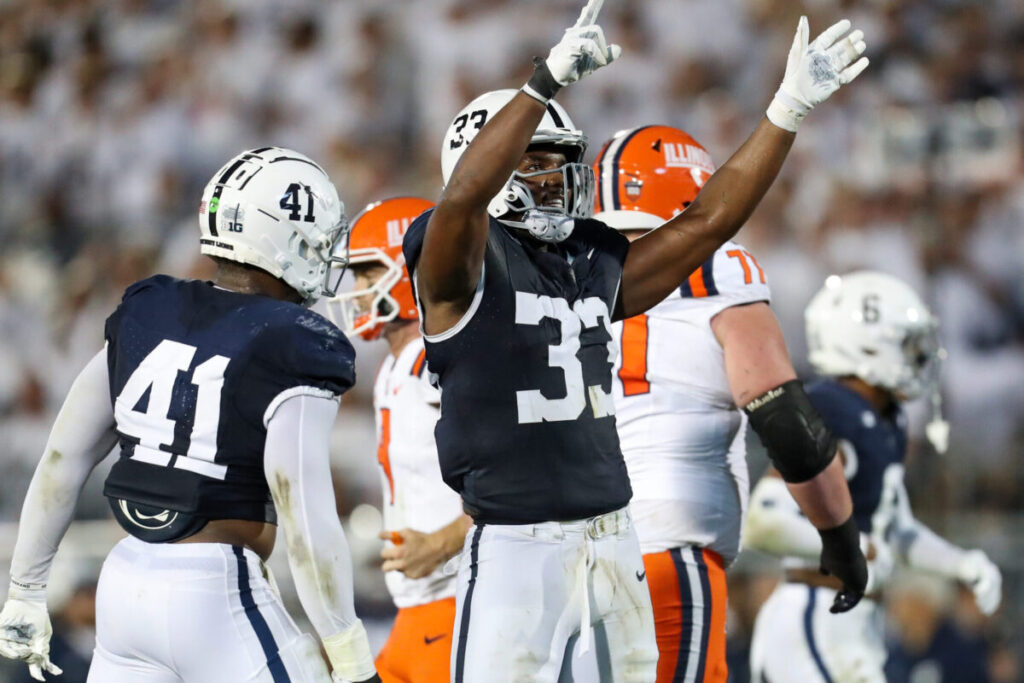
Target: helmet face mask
366 310
277 210
375 244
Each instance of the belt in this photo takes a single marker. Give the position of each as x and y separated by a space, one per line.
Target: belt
813 577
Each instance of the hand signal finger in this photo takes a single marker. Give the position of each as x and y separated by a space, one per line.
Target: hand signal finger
588 16
393 566
851 72
848 49
831 34
393 536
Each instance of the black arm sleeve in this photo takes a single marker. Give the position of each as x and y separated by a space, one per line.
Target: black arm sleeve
796 438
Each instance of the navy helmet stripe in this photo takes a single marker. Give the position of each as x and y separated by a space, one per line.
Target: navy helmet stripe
212 207
705 587
616 202
474 556
554 115
259 624
809 633
686 598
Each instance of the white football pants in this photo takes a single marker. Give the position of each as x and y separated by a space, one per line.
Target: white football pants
796 638
195 613
525 590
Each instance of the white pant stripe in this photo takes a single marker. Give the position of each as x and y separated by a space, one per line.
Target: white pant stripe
696 614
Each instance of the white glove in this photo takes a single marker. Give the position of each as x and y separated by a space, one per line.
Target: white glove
815 71
350 655
25 631
580 52
880 566
984 579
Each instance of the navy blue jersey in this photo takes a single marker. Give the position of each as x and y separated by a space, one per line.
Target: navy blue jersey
874 443
527 429
193 370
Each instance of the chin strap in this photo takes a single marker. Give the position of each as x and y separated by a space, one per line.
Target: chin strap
544 225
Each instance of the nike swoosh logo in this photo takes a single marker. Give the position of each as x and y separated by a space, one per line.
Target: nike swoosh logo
640 575
428 640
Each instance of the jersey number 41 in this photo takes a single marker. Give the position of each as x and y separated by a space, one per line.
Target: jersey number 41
157 374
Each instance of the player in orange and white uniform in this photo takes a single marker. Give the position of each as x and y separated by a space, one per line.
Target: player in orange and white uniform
685 366
423 517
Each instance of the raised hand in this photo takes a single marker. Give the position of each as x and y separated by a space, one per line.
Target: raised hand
581 51
816 70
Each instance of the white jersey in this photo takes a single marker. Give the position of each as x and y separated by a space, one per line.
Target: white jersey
407 407
682 436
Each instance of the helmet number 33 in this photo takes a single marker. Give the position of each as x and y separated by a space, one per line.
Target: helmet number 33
478 118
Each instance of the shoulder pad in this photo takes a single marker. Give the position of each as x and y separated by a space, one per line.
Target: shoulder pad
154 282
308 350
731 276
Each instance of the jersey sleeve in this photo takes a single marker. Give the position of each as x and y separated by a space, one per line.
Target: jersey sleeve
731 277
308 356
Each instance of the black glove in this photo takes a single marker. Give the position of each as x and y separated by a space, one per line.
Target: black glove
375 679
841 557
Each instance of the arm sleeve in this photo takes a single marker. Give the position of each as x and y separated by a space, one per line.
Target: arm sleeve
297 466
775 524
82 435
918 546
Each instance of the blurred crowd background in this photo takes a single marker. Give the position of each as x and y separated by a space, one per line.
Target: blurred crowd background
113 115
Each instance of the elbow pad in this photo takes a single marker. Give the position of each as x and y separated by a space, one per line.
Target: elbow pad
796 438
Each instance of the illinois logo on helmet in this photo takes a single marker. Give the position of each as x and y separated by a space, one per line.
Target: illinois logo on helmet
647 175
376 240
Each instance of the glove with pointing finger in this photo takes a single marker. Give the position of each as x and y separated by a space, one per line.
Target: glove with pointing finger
581 51
814 71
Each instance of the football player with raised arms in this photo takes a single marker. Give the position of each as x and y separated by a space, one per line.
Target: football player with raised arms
686 369
423 517
221 397
517 289
875 343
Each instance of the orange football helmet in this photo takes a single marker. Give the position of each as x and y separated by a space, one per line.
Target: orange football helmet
376 239
647 175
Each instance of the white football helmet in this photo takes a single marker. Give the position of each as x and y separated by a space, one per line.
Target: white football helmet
550 224
277 210
875 327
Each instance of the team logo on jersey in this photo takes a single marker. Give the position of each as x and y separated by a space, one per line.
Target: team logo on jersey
396 230
679 155
152 519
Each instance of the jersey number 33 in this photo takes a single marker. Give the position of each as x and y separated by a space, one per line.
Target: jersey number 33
585 314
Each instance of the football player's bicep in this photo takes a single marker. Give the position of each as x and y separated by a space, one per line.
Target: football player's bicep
452 257
756 358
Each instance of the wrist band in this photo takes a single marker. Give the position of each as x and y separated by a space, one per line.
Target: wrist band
542 86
